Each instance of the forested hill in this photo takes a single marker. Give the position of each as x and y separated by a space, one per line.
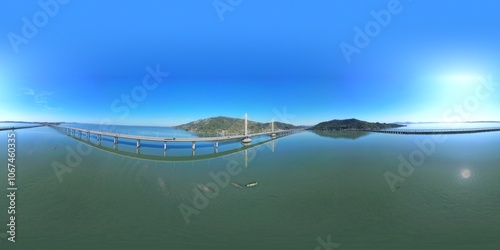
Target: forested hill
353 124
227 125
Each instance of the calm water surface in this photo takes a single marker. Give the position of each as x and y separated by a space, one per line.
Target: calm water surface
311 186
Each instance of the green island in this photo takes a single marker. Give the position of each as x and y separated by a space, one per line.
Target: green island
222 125
352 125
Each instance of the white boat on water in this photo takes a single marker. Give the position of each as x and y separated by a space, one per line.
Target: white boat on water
246 140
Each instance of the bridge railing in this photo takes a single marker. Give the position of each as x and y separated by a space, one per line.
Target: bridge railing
179 139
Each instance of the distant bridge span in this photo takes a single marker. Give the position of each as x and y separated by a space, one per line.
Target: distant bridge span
23 127
436 131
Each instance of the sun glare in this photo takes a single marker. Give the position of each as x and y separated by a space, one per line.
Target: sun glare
465 173
461 79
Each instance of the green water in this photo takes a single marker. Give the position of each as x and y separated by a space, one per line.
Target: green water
310 187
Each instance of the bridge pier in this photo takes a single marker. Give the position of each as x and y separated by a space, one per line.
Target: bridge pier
77 132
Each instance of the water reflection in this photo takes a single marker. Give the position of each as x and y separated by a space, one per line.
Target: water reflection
246 158
353 135
138 153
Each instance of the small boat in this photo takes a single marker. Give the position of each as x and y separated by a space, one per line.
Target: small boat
251 184
246 140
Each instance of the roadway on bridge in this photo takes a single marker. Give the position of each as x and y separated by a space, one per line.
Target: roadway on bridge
164 139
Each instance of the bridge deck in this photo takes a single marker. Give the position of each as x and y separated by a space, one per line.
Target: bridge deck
14 128
171 139
436 131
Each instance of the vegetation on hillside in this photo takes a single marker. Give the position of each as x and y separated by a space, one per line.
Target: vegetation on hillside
352 124
222 125
346 134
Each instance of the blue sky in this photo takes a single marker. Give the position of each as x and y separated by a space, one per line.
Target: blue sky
298 61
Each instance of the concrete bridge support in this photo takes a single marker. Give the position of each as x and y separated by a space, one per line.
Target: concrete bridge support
73 132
